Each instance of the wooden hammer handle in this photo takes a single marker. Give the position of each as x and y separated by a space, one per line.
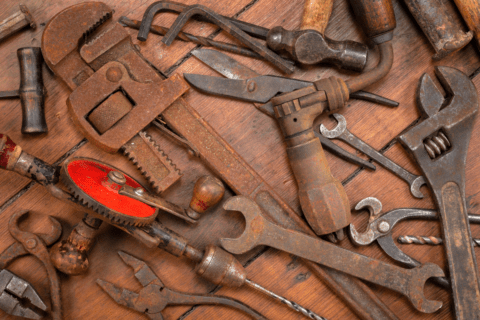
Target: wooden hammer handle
316 14
470 11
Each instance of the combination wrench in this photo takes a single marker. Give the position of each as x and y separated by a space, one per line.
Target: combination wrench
341 133
260 231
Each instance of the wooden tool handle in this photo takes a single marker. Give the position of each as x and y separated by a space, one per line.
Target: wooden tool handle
32 91
470 11
316 14
376 18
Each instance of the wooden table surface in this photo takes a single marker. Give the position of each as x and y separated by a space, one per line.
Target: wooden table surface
258 140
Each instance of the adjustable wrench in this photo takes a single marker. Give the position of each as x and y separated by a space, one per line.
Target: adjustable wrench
260 231
341 133
439 144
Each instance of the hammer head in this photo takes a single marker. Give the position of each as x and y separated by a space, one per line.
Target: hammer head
440 142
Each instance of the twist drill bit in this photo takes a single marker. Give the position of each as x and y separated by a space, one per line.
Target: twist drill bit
432 241
291 304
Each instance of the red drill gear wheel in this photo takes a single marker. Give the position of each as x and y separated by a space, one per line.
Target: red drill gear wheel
88 180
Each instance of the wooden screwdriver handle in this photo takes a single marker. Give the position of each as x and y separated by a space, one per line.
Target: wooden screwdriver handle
316 14
470 11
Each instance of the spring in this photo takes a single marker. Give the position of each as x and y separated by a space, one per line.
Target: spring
437 145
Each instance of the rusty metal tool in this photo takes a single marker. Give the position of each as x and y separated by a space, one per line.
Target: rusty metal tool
341 133
232 29
155 296
261 231
16 22
32 91
305 46
221 158
322 197
206 42
264 87
430 240
13 289
438 23
470 11
135 217
439 144
215 264
36 245
116 93
232 69
380 229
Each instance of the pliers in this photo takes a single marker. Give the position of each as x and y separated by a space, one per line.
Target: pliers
13 289
380 227
154 296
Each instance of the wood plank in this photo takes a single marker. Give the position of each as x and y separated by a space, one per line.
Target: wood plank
254 136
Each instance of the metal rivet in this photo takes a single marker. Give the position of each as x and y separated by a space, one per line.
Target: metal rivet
114 74
383 226
139 191
251 86
31 243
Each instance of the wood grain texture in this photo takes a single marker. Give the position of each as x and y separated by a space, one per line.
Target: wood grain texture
258 140
470 10
316 15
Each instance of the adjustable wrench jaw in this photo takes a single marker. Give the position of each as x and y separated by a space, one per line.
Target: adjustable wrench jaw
454 121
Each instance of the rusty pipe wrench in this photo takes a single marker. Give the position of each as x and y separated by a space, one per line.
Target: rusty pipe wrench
116 94
439 144
260 231
341 133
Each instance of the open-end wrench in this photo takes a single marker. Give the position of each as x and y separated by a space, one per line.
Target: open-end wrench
341 133
260 231
439 144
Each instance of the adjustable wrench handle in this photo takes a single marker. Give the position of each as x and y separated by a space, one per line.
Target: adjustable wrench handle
453 210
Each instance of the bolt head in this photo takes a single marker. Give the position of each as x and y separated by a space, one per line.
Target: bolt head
139 191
